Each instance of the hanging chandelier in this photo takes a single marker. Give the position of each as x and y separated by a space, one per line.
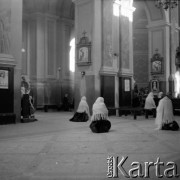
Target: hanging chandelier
165 4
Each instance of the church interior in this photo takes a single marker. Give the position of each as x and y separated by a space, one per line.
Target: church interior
124 44
58 51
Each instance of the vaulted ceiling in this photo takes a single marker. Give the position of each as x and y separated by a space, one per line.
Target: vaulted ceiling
152 12
62 8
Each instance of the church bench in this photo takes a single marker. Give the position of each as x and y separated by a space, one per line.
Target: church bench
7 118
124 110
50 106
176 105
46 107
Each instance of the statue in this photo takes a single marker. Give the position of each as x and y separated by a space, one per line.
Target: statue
27 108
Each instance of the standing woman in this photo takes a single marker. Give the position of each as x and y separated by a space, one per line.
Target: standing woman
100 122
82 113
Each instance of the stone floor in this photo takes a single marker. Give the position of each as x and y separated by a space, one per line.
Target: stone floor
53 148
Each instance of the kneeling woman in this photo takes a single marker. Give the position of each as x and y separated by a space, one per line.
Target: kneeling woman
99 118
82 113
165 117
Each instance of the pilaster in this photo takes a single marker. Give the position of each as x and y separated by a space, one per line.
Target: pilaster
88 18
10 54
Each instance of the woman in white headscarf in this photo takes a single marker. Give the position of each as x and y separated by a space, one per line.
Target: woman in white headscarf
160 95
82 113
165 118
150 105
100 122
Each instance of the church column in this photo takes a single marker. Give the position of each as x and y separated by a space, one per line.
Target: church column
88 20
66 27
97 44
111 49
40 59
10 59
37 56
42 55
174 43
126 80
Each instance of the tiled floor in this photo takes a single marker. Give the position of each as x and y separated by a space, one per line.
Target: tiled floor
53 148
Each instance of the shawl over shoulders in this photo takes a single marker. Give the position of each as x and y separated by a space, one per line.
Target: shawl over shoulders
164 112
99 110
83 106
149 103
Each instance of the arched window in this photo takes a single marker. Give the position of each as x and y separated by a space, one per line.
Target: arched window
72 55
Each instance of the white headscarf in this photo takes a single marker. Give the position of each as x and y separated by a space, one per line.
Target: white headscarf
160 94
164 112
99 110
83 106
149 103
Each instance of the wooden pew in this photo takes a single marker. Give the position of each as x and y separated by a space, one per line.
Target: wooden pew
133 110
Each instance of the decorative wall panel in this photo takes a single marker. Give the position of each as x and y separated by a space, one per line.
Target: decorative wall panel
125 43
107 33
32 52
51 48
5 33
24 47
158 41
141 67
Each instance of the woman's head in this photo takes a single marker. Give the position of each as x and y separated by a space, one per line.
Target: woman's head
100 100
83 98
160 95
151 94
169 95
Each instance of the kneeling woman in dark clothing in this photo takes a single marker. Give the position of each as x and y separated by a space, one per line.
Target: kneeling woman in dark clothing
99 118
82 113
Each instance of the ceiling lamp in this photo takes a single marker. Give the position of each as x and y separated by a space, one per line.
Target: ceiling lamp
165 4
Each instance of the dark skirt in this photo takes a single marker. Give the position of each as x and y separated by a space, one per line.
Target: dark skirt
80 117
100 126
173 126
25 106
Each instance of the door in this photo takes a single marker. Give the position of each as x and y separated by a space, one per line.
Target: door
125 91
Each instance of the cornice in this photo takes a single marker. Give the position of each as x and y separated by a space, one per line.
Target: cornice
7 60
157 24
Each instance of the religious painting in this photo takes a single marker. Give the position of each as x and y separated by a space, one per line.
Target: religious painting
83 54
154 85
3 79
84 51
156 63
